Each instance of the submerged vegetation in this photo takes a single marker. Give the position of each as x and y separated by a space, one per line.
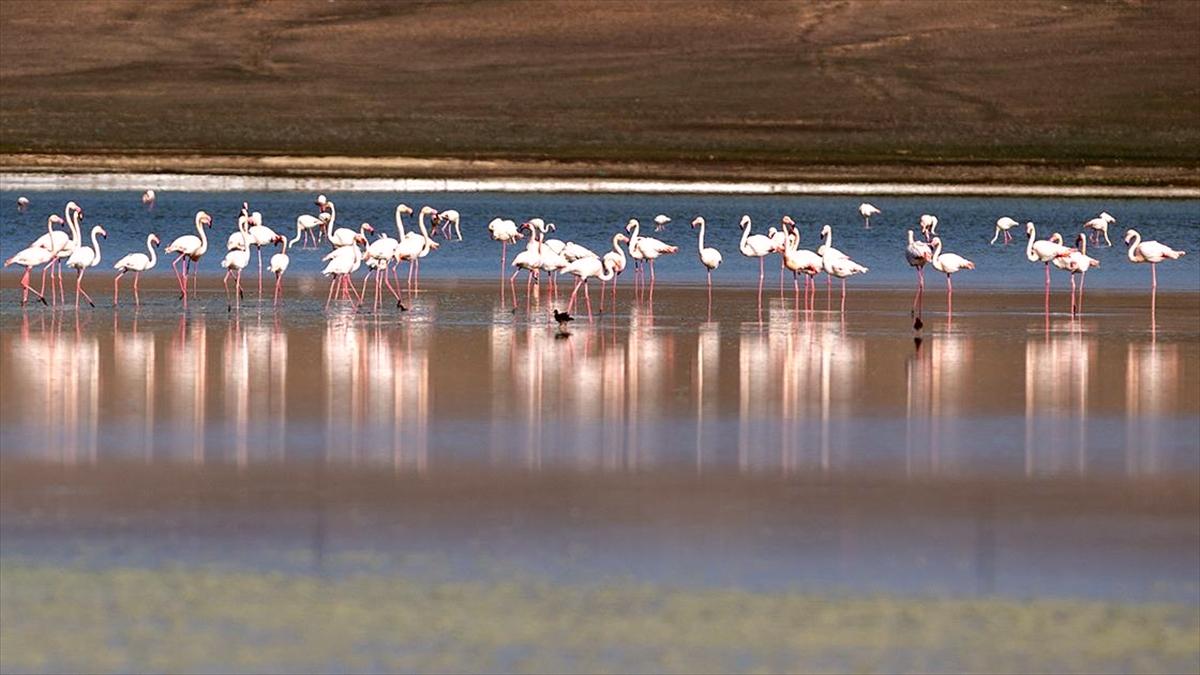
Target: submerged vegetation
198 619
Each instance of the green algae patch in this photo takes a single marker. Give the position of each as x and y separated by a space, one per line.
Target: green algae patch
182 620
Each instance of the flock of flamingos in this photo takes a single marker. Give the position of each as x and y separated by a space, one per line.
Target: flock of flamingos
351 250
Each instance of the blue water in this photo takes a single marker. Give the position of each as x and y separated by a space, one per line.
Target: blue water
966 226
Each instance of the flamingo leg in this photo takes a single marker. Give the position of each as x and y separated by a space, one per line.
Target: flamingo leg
79 289
388 283
1072 295
512 286
238 285
177 277
1079 303
949 296
1047 288
29 289
574 291
225 282
116 285
43 289
843 296
137 296
588 297
278 279
333 280
260 271
760 281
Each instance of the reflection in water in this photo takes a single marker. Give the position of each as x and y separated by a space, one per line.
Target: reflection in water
800 392
1152 388
1057 372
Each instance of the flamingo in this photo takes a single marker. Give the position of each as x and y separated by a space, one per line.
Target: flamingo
842 268
553 260
344 236
801 261
379 256
779 239
529 260
190 248
1099 225
148 198
1077 262
649 247
413 246
259 236
660 222
1003 225
342 262
506 232
584 269
826 250
305 224
866 211
928 225
83 258
917 254
279 264
55 242
429 243
63 245
755 246
1150 252
236 261
709 257
1043 251
136 263
33 256
22 204
948 263
446 219
617 261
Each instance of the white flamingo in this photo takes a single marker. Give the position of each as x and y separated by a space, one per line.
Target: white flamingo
446 219
948 263
33 256
190 249
54 242
801 261
826 250
917 254
22 204
342 263
506 232
841 267
616 260
928 225
279 264
1150 252
62 244
583 270
1099 226
529 260
306 224
234 262
1003 225
553 260
413 246
573 252
149 198
1043 251
866 211
709 257
660 222
344 236
755 246
1077 262
649 248
83 258
137 263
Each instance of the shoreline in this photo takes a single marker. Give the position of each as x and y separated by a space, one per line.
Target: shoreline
225 173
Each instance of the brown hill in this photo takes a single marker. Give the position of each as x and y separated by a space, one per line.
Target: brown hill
764 84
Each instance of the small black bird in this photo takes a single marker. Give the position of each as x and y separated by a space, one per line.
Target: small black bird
563 319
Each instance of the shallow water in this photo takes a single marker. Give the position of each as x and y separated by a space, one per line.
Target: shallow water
966 225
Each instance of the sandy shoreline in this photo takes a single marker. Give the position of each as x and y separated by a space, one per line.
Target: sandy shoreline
184 172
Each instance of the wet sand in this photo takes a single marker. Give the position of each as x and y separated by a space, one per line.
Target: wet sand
796 491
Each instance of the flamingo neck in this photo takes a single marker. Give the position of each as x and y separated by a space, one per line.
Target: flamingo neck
424 233
150 248
745 238
616 243
73 221
95 246
937 252
1137 239
604 267
332 216
400 222
635 235
702 235
1029 254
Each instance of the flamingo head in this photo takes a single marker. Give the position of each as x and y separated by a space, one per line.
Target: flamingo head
321 200
102 232
787 222
205 219
623 238
405 209
745 222
826 230
633 222
1107 218
1129 236
56 219
552 227
1029 228
367 227
154 240
429 211
697 222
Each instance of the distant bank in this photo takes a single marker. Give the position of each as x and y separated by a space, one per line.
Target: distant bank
254 183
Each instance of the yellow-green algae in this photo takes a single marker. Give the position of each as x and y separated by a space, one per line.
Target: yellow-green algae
180 620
